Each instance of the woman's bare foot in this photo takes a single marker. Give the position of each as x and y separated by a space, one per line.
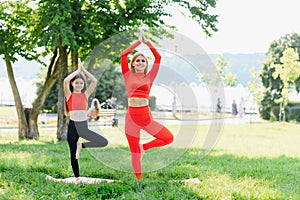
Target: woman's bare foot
79 147
142 151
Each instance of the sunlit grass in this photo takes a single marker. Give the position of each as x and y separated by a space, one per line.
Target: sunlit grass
249 161
8 111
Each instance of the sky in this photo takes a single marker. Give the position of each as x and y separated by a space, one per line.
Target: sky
245 26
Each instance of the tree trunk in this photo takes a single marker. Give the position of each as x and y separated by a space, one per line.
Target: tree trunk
23 131
74 55
62 119
91 64
39 101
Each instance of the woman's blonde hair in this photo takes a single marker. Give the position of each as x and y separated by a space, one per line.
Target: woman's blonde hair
134 58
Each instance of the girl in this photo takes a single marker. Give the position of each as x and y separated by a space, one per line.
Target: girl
138 84
94 110
77 93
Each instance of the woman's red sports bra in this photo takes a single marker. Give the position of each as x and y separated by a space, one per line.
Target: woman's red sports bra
77 101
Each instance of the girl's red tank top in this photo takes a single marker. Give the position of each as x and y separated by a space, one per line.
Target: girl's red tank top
77 101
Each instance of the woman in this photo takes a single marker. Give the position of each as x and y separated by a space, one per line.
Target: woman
234 110
138 83
77 93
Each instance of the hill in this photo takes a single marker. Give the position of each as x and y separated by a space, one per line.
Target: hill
182 69
22 69
239 64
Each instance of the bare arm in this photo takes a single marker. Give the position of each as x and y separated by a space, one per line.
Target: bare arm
67 80
90 89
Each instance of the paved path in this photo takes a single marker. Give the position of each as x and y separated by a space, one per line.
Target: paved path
246 119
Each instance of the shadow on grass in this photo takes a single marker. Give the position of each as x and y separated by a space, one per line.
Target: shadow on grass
281 174
23 168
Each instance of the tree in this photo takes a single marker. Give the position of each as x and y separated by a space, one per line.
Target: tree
95 22
255 87
228 78
221 74
274 86
14 41
65 29
111 85
288 72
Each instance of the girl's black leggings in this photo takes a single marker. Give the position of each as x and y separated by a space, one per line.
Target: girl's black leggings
80 129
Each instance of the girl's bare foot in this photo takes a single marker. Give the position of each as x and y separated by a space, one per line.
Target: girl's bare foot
77 180
79 147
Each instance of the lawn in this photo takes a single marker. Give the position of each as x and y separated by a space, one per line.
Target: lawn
8 115
249 161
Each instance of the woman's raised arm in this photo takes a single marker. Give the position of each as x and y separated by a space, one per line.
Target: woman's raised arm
124 56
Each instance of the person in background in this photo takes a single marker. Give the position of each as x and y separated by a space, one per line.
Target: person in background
219 105
234 110
242 108
93 112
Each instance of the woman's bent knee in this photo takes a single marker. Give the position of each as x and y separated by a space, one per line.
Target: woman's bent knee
170 138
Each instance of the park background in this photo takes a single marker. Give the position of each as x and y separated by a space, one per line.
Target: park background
258 160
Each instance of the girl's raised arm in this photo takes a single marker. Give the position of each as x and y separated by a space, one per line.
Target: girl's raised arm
67 80
90 89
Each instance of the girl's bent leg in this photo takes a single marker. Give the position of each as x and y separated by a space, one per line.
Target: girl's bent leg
95 140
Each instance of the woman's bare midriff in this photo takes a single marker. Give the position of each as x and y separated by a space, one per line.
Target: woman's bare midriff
78 115
137 102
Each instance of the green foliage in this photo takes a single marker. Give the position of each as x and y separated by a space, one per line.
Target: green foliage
110 84
291 111
84 25
50 104
266 105
288 71
273 84
220 75
14 34
152 102
255 87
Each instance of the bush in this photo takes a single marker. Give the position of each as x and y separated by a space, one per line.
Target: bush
292 112
265 107
152 102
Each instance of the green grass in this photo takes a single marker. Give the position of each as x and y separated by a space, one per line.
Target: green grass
8 111
250 161
8 115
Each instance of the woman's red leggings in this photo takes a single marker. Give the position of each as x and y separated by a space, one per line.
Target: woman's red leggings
138 118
